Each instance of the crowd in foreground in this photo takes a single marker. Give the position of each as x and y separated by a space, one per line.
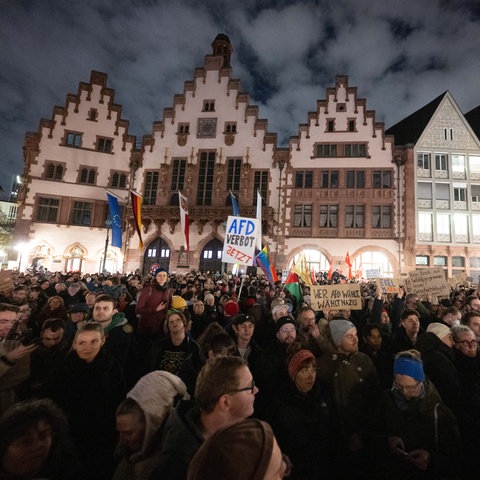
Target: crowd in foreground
202 376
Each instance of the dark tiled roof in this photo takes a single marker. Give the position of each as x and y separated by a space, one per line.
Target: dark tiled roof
473 118
410 128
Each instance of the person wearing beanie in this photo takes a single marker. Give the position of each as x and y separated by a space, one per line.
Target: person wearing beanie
300 418
270 369
246 450
152 306
353 381
140 422
436 347
415 435
178 303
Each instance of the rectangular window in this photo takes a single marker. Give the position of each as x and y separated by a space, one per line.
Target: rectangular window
304 179
423 161
87 176
209 105
475 189
234 169
351 126
443 224
119 180
458 166
73 140
382 179
381 216
150 188
302 216
355 150
354 216
178 174
460 224
48 209
183 128
230 127
205 178
474 164
440 261
260 182
54 171
458 261
82 213
422 260
460 194
328 216
425 223
327 150
441 161
448 134
330 125
355 179
104 144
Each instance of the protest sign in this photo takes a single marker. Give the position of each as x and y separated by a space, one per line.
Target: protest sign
6 281
387 285
458 278
336 297
240 238
372 273
428 282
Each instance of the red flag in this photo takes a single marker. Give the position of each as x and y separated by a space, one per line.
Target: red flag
349 263
313 276
330 271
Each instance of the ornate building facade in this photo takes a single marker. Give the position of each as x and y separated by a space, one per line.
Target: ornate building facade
340 185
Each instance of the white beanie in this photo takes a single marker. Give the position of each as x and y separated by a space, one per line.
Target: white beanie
439 329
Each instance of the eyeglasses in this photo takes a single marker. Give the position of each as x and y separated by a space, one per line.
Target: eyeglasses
287 330
406 388
251 388
468 343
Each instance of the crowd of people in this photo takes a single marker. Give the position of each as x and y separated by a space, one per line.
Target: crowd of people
209 376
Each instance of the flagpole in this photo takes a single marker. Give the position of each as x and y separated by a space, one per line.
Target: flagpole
108 222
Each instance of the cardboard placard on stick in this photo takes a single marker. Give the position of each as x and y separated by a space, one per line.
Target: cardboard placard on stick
336 297
387 285
6 281
428 282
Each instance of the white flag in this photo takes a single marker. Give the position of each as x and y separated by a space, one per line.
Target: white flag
259 218
183 202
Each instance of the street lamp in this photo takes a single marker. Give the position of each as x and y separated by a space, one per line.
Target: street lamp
21 248
108 223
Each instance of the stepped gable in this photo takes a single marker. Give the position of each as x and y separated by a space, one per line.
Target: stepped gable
409 130
219 61
473 118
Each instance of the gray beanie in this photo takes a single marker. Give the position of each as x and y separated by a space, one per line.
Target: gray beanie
338 329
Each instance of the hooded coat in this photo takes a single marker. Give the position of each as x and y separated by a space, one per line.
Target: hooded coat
155 393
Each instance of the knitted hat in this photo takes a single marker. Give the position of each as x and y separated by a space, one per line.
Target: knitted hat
283 321
155 393
241 451
439 329
158 270
178 302
296 362
231 308
338 329
79 307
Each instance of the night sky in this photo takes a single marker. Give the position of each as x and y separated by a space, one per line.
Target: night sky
399 54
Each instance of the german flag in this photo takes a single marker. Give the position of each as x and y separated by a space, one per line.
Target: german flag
137 214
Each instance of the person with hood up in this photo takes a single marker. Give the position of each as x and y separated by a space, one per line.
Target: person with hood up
141 420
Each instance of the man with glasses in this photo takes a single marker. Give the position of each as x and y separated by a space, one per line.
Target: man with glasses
467 362
415 434
224 393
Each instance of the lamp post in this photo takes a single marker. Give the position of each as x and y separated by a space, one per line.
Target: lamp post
399 161
281 165
108 223
20 248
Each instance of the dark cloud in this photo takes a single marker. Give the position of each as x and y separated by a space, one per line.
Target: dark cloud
400 55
